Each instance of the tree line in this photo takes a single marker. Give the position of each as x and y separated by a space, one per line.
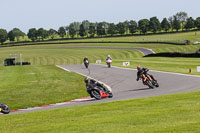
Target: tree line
179 21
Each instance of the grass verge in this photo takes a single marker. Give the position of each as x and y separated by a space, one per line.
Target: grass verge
30 86
169 113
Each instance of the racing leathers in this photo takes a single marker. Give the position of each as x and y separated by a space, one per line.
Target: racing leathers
143 71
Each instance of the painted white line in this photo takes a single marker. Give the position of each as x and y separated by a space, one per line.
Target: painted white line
80 100
63 68
88 77
151 51
59 104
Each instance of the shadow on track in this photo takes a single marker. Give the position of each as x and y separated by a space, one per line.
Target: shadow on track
142 89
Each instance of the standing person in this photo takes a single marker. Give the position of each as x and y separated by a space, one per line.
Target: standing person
86 62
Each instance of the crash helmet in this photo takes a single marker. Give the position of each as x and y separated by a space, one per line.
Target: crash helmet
86 80
139 68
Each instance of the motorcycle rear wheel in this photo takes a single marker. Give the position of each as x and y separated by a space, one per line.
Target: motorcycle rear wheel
5 109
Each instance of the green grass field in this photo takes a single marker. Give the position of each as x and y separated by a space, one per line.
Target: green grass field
168 37
30 86
43 83
174 38
175 113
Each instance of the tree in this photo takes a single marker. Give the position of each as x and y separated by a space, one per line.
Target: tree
126 26
112 29
132 26
182 17
82 31
170 19
32 34
190 23
176 23
15 33
3 35
42 33
72 29
121 28
52 33
143 25
154 24
92 29
165 25
11 36
61 32
86 25
197 22
101 29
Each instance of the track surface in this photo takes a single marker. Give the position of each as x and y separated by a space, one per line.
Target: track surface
145 51
124 85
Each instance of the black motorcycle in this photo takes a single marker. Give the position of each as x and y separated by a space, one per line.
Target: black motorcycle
149 81
97 90
86 63
4 108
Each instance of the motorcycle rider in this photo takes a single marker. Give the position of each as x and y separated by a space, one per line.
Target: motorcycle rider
86 61
108 58
144 71
90 83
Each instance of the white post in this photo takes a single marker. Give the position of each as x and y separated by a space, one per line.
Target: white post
20 57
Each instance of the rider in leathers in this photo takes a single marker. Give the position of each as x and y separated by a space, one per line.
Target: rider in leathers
93 83
144 71
84 60
108 58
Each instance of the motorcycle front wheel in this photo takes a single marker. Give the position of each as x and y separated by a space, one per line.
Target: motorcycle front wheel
95 94
110 95
149 84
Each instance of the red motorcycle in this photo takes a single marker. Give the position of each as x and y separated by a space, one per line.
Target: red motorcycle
97 90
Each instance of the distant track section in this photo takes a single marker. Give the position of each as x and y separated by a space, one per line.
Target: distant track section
144 51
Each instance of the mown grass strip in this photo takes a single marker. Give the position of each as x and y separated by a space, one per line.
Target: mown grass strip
169 113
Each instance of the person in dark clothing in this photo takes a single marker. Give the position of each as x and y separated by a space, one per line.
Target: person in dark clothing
91 83
143 71
86 62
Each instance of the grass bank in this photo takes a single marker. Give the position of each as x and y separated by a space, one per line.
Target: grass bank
42 83
30 86
169 113
168 37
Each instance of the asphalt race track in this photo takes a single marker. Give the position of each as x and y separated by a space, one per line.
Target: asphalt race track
123 82
144 51
124 85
